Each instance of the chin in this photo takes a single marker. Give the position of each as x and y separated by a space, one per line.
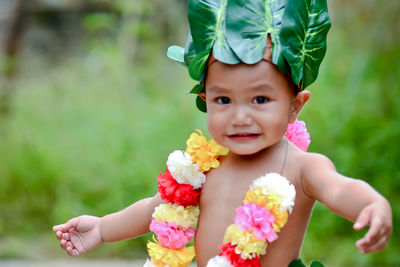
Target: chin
244 151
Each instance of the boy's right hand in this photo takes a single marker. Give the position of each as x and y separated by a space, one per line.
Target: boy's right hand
79 234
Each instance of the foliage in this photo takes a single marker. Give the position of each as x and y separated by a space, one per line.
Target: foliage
305 25
89 132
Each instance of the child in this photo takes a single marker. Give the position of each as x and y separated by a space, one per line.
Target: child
250 101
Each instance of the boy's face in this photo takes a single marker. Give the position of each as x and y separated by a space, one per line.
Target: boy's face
248 106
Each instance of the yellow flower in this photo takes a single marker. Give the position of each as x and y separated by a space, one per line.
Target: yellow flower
272 203
161 256
203 152
246 244
183 217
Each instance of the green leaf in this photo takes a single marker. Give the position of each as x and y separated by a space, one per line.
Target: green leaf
297 263
305 25
197 89
208 27
190 51
201 104
248 24
316 264
176 53
196 66
278 8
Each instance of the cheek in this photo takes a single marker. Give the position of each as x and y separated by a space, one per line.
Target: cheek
275 123
212 125
279 127
215 125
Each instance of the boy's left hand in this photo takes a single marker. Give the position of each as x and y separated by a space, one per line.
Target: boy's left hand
378 216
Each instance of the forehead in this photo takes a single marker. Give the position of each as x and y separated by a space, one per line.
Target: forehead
243 76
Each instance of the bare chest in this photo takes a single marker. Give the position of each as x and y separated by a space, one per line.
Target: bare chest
222 193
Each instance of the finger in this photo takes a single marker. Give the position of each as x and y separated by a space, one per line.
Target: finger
69 244
59 235
66 226
363 220
375 232
375 236
73 223
59 227
63 243
73 252
367 240
372 235
69 251
66 236
377 246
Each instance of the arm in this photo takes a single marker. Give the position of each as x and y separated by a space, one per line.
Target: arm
131 222
84 233
350 198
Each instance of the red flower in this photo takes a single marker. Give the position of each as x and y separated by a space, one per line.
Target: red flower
173 192
228 250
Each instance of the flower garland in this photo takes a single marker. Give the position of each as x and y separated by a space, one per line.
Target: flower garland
180 186
264 211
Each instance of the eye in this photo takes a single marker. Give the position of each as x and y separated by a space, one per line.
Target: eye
260 100
223 100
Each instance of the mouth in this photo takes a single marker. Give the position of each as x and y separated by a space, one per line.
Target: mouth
244 136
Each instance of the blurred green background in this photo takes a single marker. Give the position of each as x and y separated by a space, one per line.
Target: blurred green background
90 107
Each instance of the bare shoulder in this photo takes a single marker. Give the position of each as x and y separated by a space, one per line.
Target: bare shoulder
317 174
311 162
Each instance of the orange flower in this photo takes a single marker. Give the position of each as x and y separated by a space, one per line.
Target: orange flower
203 152
272 203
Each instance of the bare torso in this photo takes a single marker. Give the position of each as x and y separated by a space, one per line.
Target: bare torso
224 191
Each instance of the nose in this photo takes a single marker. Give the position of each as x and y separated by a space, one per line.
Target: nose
241 116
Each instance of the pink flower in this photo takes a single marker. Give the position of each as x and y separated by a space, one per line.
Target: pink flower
169 235
297 134
253 217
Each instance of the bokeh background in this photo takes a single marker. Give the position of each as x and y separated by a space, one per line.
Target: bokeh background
90 106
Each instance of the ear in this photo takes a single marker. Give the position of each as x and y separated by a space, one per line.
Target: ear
298 103
202 95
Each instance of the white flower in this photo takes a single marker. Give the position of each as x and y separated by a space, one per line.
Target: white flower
149 264
274 183
219 261
184 171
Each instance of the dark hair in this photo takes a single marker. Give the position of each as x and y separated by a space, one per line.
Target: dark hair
296 88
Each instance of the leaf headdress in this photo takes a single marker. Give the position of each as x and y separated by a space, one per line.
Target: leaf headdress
237 31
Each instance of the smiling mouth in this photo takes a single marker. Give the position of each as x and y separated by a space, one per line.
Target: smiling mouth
244 136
